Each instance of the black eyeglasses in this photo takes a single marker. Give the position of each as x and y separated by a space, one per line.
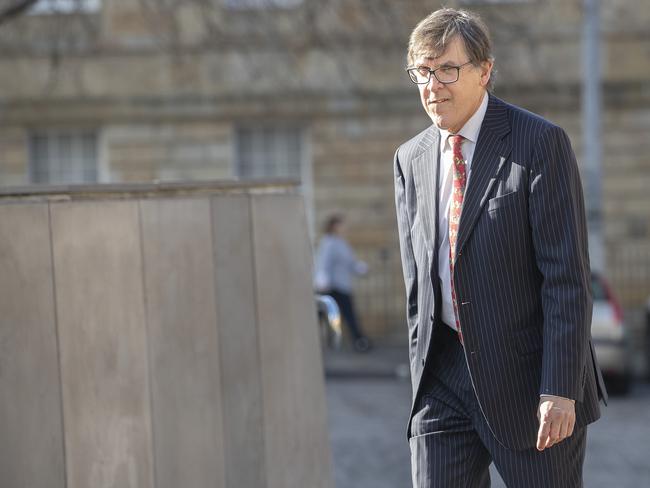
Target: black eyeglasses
421 75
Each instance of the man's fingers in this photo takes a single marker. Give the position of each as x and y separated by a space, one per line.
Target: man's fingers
542 434
564 429
554 429
572 424
544 425
556 425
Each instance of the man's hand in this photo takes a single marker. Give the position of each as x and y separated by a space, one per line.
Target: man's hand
557 417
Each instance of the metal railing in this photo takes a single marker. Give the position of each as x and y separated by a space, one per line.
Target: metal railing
329 320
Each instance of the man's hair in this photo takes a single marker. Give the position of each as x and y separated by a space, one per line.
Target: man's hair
331 223
432 36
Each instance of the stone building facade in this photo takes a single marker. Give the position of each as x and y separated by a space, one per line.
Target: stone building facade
146 90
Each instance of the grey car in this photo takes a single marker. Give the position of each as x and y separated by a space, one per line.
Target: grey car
610 337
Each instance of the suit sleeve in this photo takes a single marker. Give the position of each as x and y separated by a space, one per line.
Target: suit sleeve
559 230
406 250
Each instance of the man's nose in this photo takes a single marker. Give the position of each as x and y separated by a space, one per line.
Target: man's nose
433 84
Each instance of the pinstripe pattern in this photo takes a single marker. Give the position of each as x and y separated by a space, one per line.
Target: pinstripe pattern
452 445
521 272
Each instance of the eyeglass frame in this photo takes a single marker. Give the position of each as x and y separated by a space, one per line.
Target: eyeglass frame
433 72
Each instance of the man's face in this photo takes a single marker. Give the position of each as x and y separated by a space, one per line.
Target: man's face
451 105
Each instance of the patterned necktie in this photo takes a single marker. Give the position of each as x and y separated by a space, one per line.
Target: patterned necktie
456 205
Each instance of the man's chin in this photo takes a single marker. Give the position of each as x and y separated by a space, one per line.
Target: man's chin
439 122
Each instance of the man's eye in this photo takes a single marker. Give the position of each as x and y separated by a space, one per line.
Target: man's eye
446 70
423 71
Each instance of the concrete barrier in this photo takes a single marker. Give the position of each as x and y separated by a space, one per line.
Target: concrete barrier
159 336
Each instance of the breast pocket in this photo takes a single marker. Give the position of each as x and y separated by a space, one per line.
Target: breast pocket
503 200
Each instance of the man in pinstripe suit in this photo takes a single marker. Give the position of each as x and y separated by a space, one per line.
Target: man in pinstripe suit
493 243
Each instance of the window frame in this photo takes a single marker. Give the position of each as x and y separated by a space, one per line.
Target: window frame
488 3
305 161
53 136
65 7
262 131
259 5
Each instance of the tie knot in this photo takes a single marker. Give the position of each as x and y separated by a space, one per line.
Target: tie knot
456 142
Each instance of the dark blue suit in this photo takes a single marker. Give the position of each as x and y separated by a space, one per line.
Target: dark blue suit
522 275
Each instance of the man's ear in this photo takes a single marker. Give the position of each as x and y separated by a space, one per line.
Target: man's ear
486 72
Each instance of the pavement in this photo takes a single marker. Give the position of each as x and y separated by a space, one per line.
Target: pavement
368 398
382 361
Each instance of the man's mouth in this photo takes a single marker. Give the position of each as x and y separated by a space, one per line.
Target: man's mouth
439 100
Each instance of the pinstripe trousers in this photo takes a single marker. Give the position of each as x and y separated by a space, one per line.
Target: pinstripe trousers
451 443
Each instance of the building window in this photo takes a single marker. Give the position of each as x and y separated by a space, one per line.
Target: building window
276 152
261 4
494 2
269 152
65 6
63 157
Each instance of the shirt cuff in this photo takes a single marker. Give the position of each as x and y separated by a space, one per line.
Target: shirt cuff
546 395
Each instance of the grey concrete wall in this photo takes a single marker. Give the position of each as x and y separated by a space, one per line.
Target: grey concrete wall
160 342
241 371
183 342
103 344
31 430
289 349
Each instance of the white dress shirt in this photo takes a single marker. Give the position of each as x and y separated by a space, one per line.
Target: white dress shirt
470 132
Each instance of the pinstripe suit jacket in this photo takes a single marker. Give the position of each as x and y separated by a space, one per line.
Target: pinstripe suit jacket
522 275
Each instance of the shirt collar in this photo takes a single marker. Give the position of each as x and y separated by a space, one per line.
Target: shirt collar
473 126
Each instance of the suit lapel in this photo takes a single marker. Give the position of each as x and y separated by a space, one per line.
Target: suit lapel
425 175
492 151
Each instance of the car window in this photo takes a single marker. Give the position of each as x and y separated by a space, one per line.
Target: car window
598 289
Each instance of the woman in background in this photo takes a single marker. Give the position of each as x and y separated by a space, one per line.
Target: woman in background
336 266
